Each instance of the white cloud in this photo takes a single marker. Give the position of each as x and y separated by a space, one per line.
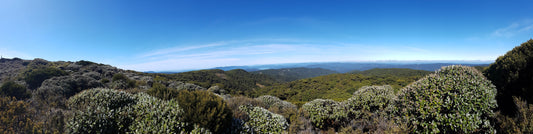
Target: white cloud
525 26
180 49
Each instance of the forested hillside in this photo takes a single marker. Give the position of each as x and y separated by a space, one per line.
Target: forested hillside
341 86
39 96
235 81
292 74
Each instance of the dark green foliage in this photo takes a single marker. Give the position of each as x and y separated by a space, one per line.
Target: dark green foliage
456 99
34 77
520 122
11 88
121 81
399 72
512 74
234 81
205 109
292 74
161 91
56 90
335 86
84 63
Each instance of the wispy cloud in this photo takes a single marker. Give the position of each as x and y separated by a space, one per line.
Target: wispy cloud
180 49
515 28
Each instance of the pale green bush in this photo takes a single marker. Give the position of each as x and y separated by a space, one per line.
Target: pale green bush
370 99
154 115
456 99
100 111
263 121
326 113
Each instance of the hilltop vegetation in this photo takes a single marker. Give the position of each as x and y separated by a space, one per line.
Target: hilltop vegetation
234 81
292 74
341 86
39 96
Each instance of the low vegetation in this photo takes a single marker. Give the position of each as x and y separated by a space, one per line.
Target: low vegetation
38 96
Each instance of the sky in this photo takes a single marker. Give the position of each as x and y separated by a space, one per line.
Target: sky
187 35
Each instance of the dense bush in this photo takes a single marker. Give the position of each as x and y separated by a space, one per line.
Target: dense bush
121 81
370 99
157 116
56 90
15 117
161 91
456 99
101 111
111 111
263 121
34 77
512 74
369 109
521 122
205 109
235 102
11 88
326 113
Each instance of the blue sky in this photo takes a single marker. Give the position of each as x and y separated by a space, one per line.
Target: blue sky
184 35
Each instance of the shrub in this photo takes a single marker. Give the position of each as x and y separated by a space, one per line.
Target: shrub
161 91
157 116
326 113
512 75
235 102
370 99
205 109
111 111
11 88
16 117
456 99
100 111
369 109
56 90
121 81
34 77
263 121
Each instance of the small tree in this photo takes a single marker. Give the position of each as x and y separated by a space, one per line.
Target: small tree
11 88
205 109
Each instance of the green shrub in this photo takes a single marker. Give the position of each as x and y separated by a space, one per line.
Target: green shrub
121 81
34 77
156 116
520 122
326 113
205 109
235 102
16 117
512 75
101 111
111 111
456 99
370 99
11 88
161 91
263 121
369 110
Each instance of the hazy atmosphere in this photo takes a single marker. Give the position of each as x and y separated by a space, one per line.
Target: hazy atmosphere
185 35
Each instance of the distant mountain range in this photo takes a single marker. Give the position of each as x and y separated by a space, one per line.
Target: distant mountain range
344 67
